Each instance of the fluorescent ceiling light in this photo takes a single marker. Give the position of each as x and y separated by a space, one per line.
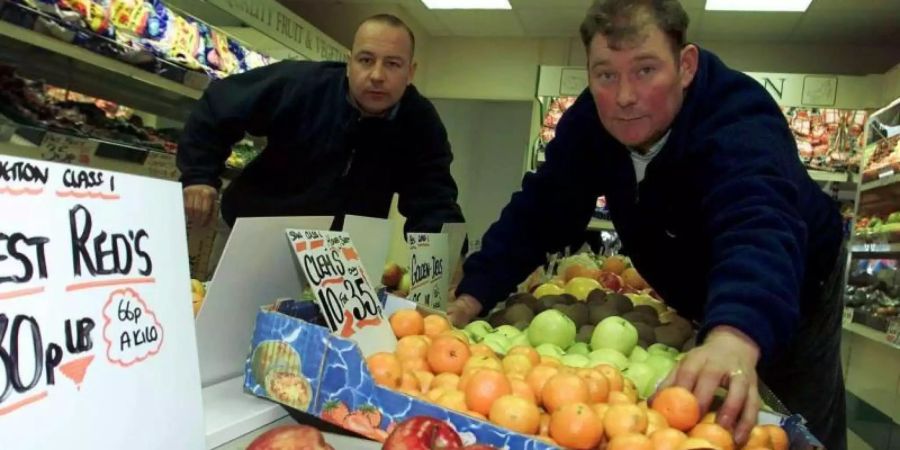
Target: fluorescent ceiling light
758 5
467 4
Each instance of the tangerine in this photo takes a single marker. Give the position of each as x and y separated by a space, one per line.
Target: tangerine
624 419
521 389
778 436
446 380
655 421
448 354
530 352
562 389
714 434
538 377
630 441
411 347
453 399
759 437
407 322
679 406
435 325
516 364
616 381
386 369
482 350
484 388
667 439
575 425
413 364
516 413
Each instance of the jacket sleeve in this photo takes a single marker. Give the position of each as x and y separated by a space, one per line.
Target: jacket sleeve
758 248
428 194
229 108
554 205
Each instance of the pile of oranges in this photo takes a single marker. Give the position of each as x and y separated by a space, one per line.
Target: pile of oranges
577 408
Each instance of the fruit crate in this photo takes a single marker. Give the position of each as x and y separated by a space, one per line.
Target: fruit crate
303 366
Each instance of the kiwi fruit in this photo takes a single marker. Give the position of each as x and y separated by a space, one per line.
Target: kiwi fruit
671 335
518 313
522 298
648 310
643 344
580 313
568 298
584 334
645 332
635 316
522 324
496 318
598 313
690 344
596 297
620 302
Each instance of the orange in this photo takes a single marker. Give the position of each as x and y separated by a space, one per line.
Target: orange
538 377
550 361
407 322
619 398
386 369
632 278
759 437
435 325
598 385
778 436
482 350
696 444
409 382
655 421
576 426
630 441
614 264
715 434
484 388
667 439
411 347
679 406
616 381
521 389
455 400
447 354
425 379
483 362
446 380
562 389
544 429
531 353
478 416
435 393
516 364
624 419
630 391
600 409
710 417
516 414
414 364
457 334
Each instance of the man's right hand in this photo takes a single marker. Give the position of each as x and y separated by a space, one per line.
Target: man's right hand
200 204
463 309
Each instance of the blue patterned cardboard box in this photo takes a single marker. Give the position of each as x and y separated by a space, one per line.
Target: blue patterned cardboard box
303 366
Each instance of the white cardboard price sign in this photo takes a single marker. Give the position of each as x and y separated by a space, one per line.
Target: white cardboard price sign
893 332
848 315
345 296
94 309
429 269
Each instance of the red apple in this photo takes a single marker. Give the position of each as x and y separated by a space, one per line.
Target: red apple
610 281
479 447
391 276
290 437
423 433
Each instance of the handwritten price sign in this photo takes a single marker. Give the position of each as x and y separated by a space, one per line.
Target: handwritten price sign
131 330
348 302
429 277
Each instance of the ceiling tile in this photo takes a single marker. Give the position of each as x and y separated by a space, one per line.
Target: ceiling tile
693 4
561 4
853 5
744 26
481 23
851 28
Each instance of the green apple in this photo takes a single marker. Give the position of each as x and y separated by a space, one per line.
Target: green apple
662 350
661 365
638 355
478 329
608 356
615 333
643 377
550 350
521 339
547 289
578 348
508 330
499 343
552 327
575 360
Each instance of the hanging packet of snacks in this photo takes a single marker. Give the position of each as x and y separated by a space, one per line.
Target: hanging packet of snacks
95 14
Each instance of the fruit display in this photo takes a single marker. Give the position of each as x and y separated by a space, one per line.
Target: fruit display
427 433
545 383
290 437
882 157
396 279
874 227
873 292
828 139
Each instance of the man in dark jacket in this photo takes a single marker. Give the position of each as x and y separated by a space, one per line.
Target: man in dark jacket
342 139
704 185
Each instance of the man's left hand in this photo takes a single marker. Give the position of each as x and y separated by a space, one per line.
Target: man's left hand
728 359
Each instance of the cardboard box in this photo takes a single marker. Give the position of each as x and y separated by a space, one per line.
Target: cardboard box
303 366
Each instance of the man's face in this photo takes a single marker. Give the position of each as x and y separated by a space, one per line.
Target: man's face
639 86
380 67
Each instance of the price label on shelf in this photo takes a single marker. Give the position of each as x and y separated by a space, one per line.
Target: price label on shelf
848 315
67 149
346 299
893 332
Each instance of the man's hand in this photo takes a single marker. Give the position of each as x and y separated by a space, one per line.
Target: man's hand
199 204
728 359
462 310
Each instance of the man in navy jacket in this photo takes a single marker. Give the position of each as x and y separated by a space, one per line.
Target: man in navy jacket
711 202
342 139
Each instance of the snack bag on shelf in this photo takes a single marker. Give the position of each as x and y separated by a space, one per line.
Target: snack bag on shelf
158 22
95 14
130 16
227 61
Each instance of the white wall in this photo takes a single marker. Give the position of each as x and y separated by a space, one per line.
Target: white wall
488 139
